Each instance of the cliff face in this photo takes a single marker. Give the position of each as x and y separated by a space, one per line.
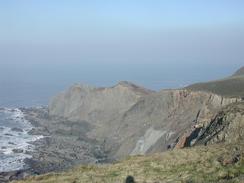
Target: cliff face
95 104
227 126
132 120
217 162
156 122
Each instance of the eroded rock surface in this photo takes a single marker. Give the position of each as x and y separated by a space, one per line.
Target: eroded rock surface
129 119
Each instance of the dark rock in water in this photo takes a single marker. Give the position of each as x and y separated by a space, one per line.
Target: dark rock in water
39 131
3 147
11 143
18 150
14 175
41 167
17 129
8 134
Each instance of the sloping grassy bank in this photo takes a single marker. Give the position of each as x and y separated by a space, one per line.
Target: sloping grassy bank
215 163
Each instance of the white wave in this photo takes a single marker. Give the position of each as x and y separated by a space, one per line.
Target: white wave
10 140
10 163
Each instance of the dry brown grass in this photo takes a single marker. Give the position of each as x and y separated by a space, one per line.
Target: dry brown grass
199 164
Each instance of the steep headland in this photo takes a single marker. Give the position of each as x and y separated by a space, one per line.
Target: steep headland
131 120
89 125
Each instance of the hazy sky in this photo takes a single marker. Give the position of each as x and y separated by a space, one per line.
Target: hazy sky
156 43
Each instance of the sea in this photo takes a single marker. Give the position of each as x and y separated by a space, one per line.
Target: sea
15 141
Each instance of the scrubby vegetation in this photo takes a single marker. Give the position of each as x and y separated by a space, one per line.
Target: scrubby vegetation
215 163
230 87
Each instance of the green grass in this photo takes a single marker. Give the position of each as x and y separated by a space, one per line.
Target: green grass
198 164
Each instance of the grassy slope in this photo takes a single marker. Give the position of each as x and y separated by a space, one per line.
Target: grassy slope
231 86
198 164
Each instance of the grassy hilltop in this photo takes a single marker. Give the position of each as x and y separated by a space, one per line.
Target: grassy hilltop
232 86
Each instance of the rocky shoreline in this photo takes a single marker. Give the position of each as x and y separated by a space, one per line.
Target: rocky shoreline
64 145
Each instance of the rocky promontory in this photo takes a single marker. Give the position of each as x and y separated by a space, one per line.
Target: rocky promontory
130 120
94 125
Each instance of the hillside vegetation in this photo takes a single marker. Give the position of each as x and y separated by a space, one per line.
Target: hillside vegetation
216 163
232 86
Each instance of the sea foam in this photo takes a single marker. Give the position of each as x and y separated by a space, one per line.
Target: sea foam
14 144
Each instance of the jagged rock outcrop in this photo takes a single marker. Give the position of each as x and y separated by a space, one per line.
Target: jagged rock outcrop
158 120
132 120
225 127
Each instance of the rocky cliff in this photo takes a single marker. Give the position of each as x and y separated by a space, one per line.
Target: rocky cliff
91 125
155 122
132 120
227 126
94 104
222 160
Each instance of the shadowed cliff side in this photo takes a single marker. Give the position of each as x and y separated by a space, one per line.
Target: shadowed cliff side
225 127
